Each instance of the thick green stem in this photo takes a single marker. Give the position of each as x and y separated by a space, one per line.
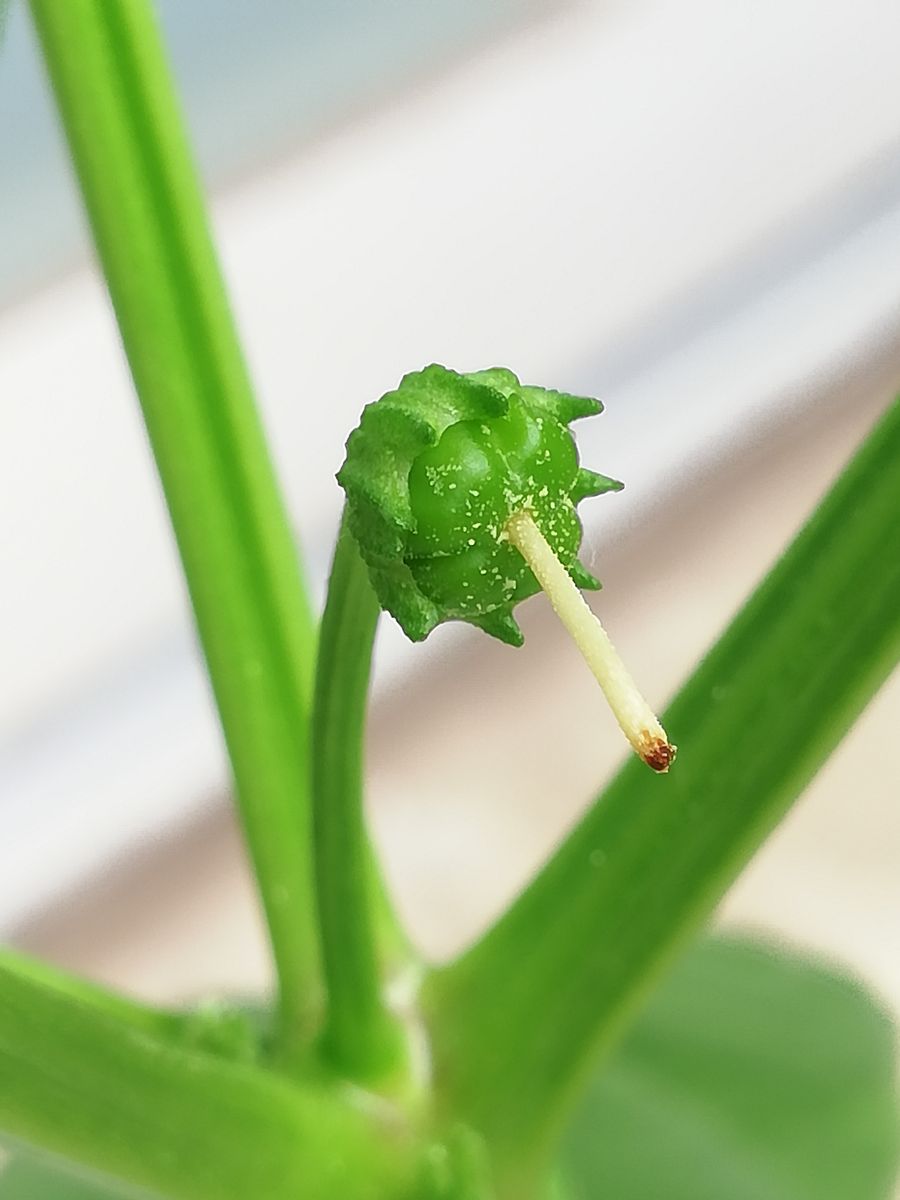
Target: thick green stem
77 1082
361 1036
122 1009
521 1017
117 103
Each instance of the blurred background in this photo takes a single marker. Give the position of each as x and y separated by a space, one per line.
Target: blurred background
691 210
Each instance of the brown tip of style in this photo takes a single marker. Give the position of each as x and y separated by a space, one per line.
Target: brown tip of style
659 755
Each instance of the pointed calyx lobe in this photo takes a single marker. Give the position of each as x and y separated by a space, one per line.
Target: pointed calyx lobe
432 475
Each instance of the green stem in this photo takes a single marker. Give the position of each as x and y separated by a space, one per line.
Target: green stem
361 1036
521 1017
118 107
124 1010
79 1083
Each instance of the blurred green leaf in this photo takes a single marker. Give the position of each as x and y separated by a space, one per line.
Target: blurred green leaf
37 1178
752 1075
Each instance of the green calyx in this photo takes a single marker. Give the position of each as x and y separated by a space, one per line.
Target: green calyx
433 473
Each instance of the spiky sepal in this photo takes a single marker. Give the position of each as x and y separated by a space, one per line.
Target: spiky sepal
433 473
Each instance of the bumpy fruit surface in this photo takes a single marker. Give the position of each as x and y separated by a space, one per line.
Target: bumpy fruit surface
434 472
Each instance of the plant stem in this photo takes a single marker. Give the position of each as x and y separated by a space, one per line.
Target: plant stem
521 1017
118 107
361 1036
636 719
124 1010
79 1083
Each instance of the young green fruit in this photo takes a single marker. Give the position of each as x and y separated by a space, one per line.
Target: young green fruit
461 492
433 474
